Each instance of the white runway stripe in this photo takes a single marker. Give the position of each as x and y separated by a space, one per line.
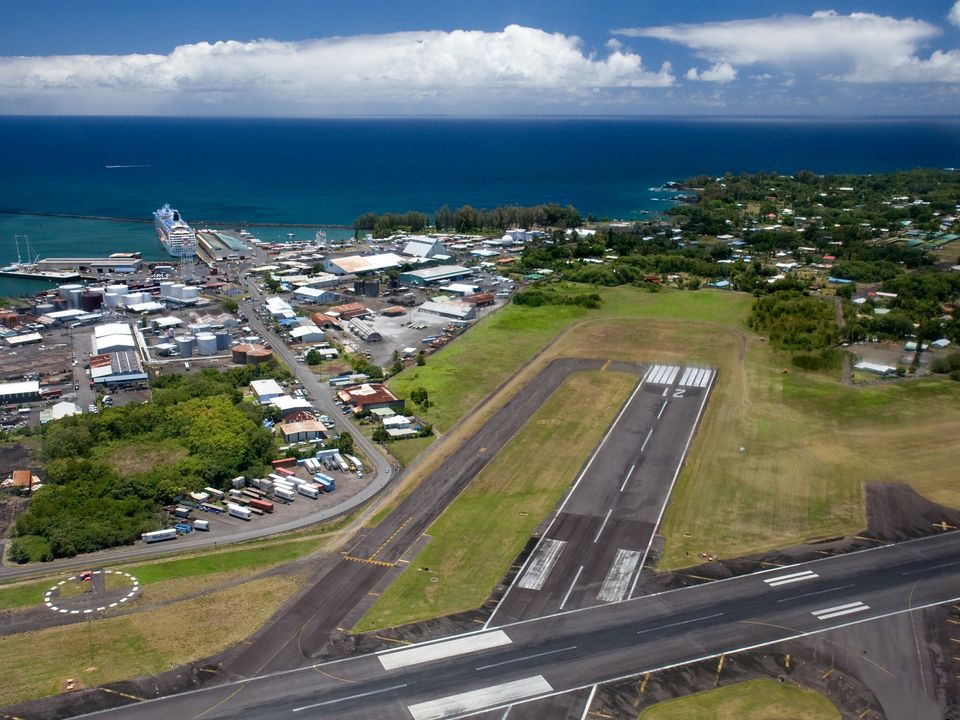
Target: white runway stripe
685 379
479 699
705 380
791 578
695 377
838 610
617 582
440 650
539 568
662 374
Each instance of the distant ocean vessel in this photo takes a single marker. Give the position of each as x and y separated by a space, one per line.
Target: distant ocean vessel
177 238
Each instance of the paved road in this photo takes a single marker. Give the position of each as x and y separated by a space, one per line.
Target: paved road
577 649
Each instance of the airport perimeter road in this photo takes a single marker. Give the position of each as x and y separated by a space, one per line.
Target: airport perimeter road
516 663
598 541
301 632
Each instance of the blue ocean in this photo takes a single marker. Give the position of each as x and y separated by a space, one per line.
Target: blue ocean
331 171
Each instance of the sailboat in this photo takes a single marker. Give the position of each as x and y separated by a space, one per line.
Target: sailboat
32 255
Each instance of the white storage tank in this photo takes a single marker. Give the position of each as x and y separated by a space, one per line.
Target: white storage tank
206 344
118 289
111 299
190 292
64 291
185 344
74 298
166 289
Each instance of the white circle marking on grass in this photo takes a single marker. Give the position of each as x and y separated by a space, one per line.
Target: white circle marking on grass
134 589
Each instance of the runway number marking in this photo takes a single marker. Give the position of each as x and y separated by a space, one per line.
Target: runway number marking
838 610
791 578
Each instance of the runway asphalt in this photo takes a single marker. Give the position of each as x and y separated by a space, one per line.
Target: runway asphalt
574 650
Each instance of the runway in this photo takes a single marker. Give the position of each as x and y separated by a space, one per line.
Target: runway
534 659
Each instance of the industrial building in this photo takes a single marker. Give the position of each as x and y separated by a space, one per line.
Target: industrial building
279 308
116 368
370 396
17 392
301 431
266 390
289 405
325 322
362 264
364 330
115 263
453 309
316 295
113 337
24 339
308 333
348 311
425 247
434 275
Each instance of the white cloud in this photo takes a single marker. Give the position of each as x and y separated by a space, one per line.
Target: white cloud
954 15
408 69
860 47
720 72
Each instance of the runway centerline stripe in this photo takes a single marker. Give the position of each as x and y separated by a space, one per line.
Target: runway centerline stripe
479 699
572 586
602 526
662 408
527 657
677 624
438 651
934 567
816 592
618 576
646 440
350 697
627 478
544 559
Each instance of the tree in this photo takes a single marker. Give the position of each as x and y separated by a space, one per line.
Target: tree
229 305
419 396
314 357
345 443
381 435
421 359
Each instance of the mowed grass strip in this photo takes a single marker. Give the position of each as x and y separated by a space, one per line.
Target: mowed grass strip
754 699
479 535
233 562
104 651
129 458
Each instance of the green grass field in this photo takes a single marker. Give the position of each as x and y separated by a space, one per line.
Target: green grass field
751 700
484 529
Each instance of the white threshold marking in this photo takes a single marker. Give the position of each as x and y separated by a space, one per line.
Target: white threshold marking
479 699
646 440
616 583
526 657
437 651
791 578
572 585
541 564
677 624
685 379
627 478
350 697
602 526
662 408
838 610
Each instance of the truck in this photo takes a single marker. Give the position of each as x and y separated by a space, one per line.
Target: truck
311 491
327 486
238 511
284 493
201 525
158 535
264 505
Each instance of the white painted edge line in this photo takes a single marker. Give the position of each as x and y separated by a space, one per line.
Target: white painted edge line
405 657
480 699
586 710
566 499
676 474
350 697
791 575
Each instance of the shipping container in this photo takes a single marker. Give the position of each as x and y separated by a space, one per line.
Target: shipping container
158 535
210 507
238 482
311 491
214 493
181 512
327 486
284 462
201 525
183 528
238 511
264 505
284 471
251 493
284 493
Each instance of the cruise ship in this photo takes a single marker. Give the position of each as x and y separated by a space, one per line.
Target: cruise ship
178 238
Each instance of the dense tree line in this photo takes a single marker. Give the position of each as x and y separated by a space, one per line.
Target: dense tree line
86 505
794 321
536 297
468 219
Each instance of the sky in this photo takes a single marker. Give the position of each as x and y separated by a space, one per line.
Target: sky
332 58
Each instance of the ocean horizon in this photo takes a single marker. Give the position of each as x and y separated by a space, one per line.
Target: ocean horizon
329 171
